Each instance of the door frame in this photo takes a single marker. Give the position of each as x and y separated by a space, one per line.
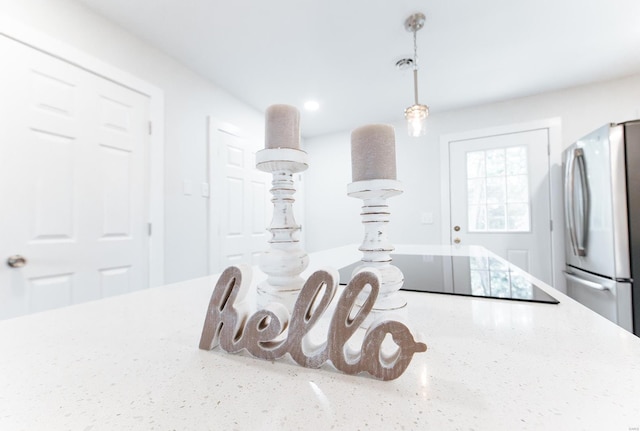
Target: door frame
155 163
553 127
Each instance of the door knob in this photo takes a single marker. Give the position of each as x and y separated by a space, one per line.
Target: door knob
16 261
457 240
456 228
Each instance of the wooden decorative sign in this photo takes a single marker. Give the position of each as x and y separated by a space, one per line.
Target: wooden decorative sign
262 334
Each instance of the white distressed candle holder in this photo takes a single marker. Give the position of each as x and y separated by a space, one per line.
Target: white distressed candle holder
376 248
285 259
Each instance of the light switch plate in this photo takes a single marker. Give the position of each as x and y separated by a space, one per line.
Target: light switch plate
187 187
426 217
204 190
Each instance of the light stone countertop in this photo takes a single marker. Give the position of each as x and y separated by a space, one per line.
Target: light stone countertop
132 362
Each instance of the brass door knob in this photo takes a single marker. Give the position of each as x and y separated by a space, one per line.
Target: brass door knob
457 240
456 228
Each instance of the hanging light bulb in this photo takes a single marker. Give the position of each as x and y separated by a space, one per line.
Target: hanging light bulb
416 114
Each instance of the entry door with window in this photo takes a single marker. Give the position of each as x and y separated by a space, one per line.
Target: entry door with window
73 184
499 188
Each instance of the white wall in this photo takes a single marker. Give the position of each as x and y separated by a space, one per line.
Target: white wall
332 218
189 100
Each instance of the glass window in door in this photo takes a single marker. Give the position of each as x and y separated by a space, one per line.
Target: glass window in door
498 190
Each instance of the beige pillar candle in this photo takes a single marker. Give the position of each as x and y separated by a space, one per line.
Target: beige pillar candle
282 127
373 153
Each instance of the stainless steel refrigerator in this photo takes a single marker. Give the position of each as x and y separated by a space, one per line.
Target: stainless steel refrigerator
602 209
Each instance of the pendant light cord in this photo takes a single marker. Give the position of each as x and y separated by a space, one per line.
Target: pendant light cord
415 67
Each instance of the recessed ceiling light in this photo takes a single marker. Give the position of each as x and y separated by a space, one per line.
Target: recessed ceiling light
311 105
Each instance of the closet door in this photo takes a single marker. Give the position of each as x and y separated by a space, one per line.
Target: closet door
73 184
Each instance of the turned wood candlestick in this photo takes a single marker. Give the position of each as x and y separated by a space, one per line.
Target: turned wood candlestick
376 248
285 259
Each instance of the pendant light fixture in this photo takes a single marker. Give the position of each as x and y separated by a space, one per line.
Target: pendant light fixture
415 114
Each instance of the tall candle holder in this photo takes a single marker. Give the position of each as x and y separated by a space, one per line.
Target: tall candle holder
376 248
285 259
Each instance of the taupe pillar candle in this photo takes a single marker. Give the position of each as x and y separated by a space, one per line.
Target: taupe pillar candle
282 127
373 153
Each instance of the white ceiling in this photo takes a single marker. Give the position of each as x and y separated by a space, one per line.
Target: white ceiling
343 52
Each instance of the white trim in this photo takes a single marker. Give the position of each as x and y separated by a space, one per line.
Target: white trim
553 126
48 45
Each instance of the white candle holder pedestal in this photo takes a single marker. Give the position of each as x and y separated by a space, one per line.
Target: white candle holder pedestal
376 248
285 259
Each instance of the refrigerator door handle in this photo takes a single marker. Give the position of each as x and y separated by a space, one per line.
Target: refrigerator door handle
581 240
569 200
584 282
578 243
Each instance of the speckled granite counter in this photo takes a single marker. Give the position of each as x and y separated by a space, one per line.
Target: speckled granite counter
132 362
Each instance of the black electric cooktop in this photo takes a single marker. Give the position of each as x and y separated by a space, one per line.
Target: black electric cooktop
480 276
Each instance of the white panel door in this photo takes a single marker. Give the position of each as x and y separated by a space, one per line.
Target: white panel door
499 188
72 183
240 204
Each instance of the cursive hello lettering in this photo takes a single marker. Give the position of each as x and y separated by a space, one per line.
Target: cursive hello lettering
228 324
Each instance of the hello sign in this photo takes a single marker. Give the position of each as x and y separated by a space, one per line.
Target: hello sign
228 324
